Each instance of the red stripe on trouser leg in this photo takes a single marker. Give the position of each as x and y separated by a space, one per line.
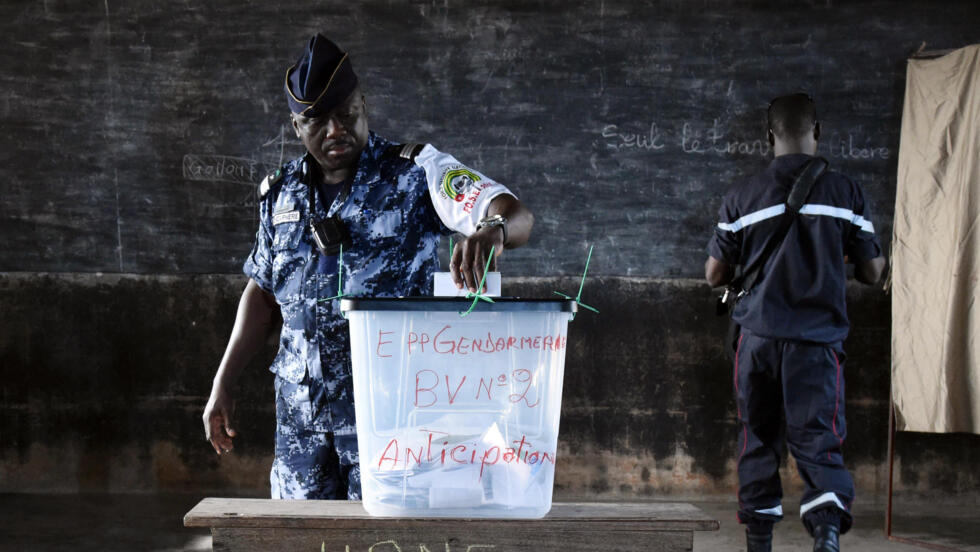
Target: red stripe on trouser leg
738 409
840 440
745 433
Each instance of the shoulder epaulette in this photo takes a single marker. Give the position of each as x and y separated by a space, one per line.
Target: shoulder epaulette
270 181
406 151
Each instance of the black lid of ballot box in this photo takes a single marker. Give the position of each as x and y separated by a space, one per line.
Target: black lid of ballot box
446 304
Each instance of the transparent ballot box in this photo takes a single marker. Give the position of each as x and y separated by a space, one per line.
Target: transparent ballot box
457 416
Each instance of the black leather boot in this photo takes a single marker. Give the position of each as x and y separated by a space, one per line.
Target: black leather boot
758 542
826 538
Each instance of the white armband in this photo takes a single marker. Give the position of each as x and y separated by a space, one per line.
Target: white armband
460 194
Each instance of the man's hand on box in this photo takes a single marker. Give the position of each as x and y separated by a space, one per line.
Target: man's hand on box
469 259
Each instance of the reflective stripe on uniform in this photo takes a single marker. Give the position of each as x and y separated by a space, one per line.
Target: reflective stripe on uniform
808 209
752 218
774 511
839 212
821 500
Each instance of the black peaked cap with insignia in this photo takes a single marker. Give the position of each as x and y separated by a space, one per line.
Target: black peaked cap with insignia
320 80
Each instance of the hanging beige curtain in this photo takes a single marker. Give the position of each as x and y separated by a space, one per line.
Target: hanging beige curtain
936 248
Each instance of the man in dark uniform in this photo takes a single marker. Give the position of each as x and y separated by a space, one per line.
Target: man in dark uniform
790 361
355 214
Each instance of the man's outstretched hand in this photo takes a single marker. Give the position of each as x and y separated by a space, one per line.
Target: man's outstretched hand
217 421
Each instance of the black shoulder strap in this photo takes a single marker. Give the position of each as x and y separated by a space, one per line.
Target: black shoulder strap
804 183
810 173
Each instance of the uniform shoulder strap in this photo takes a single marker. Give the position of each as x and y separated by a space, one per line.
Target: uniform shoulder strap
804 182
271 180
405 151
802 185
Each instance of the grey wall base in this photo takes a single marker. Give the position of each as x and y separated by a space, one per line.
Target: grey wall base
104 379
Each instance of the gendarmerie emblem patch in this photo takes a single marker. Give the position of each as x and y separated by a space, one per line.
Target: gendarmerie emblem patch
457 180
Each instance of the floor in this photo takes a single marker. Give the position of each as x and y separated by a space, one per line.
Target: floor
957 528
152 523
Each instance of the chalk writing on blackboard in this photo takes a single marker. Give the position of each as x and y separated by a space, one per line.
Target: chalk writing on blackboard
652 139
714 140
690 139
221 168
392 545
696 139
846 146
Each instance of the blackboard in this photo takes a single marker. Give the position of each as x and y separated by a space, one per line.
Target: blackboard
133 134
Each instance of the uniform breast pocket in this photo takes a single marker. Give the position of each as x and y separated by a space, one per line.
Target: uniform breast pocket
289 256
386 226
287 236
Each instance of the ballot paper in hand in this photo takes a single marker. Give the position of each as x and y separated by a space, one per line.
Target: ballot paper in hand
444 286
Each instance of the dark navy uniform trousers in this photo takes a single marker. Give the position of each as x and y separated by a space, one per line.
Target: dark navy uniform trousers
802 383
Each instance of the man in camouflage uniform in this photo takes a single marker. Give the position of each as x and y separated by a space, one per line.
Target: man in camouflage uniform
355 212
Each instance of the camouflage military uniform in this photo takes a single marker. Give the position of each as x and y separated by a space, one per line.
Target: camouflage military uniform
395 229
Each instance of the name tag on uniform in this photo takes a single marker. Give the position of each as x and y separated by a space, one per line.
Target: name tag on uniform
288 216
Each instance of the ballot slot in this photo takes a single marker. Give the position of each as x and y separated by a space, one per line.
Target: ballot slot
444 286
457 416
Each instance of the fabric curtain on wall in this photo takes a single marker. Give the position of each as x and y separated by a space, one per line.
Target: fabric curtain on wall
936 248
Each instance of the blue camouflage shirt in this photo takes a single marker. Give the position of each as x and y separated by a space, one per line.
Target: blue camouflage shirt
395 229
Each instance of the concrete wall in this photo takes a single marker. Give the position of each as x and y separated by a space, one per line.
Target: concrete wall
103 380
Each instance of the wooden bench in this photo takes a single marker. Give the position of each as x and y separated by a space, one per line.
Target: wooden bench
342 526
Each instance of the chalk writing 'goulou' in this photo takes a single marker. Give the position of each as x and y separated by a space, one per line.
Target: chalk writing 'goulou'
393 546
220 168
